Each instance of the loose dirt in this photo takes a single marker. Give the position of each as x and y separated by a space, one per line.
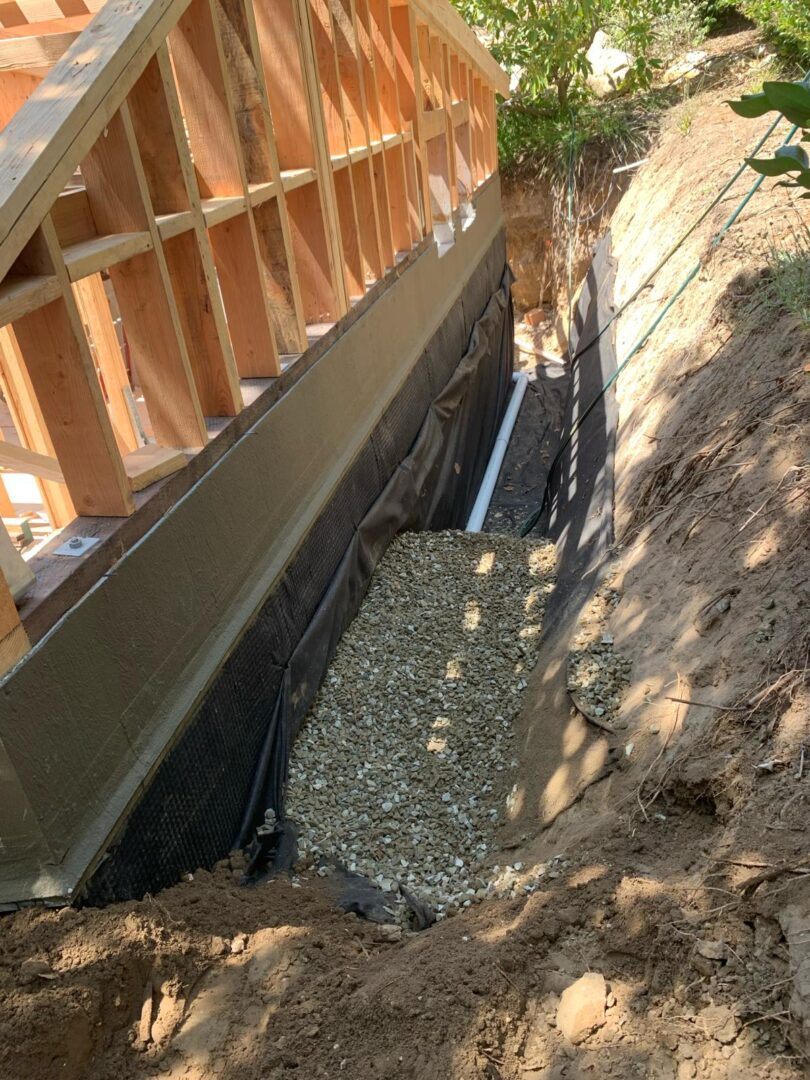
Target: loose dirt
682 877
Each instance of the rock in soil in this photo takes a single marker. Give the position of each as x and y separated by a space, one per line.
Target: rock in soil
401 770
582 1007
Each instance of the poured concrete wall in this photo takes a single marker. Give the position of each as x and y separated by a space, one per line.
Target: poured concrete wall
86 717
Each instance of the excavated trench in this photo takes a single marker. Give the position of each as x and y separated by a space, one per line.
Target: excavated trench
403 769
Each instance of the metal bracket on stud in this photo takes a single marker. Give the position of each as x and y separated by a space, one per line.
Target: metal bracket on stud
77 545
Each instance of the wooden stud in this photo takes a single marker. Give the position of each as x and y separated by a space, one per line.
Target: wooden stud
30 424
339 298
379 168
144 294
450 134
409 83
6 505
312 255
157 123
416 210
238 33
60 367
94 309
14 642
367 221
281 54
353 260
477 103
441 206
379 14
344 38
327 76
401 237
199 65
492 131
337 138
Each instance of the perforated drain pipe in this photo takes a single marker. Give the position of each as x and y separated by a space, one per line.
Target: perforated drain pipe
479 511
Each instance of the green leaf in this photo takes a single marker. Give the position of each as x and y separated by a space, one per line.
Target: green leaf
751 106
792 100
773 166
795 153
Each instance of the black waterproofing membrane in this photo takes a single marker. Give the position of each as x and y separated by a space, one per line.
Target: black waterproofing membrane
421 469
579 499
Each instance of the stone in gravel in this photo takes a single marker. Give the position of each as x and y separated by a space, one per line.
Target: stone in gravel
582 1007
718 1022
238 944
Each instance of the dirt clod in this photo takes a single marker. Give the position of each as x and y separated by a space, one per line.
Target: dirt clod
582 1007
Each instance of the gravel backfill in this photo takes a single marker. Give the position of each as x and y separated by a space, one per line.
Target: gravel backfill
402 768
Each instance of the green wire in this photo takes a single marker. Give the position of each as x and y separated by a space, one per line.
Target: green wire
679 244
533 518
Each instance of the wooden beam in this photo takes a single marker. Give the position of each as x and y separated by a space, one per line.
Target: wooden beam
17 459
37 53
101 252
21 13
20 294
151 463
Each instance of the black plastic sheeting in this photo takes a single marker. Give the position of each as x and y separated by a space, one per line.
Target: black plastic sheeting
420 469
578 490
579 519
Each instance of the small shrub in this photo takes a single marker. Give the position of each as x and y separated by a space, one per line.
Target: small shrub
679 30
786 22
529 131
787 284
686 121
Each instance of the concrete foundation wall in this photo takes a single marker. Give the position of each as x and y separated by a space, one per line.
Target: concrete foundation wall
94 707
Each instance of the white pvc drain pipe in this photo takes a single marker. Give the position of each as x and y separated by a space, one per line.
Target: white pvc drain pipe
479 511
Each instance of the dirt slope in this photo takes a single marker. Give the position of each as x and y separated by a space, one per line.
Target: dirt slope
683 878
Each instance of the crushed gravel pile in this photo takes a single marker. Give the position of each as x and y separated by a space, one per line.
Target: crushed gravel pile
401 770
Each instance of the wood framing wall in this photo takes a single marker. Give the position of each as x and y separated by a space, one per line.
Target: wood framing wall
191 192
